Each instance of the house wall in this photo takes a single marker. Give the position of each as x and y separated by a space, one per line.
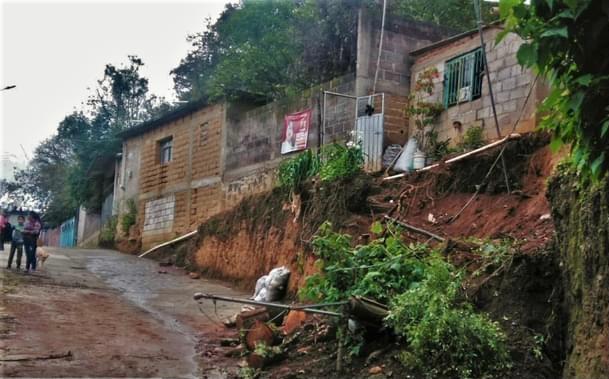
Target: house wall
400 37
510 83
175 197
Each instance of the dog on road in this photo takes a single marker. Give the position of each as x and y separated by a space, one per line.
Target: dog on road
41 255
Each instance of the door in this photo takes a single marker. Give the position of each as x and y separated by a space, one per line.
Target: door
369 130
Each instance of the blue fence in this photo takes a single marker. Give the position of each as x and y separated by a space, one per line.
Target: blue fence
67 238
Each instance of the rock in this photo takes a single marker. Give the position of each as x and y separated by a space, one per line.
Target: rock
375 370
293 321
255 361
166 263
162 272
229 342
544 217
194 275
259 333
246 319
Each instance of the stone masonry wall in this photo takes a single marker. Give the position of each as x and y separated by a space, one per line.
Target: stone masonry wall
510 83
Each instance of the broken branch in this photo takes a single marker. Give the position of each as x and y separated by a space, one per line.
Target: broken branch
415 229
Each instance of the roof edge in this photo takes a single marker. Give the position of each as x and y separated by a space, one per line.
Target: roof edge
177 113
456 37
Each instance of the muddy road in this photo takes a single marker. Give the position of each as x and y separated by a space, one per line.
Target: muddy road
100 313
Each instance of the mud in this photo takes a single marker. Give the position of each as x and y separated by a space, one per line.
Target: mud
115 313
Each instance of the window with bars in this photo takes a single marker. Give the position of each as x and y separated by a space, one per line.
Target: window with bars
463 78
165 148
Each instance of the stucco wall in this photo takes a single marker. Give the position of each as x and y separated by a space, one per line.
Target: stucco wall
510 83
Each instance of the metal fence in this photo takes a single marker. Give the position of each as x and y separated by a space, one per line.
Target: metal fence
67 237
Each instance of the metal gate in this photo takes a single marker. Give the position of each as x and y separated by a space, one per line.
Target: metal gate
369 116
67 238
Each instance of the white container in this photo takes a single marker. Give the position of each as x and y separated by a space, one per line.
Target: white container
419 160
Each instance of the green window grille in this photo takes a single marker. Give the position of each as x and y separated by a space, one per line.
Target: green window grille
463 78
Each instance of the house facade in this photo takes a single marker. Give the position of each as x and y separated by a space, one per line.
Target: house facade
200 159
461 86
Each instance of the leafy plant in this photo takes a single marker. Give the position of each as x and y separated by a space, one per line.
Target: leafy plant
566 43
473 138
293 172
422 108
108 232
340 162
380 270
445 337
435 148
128 219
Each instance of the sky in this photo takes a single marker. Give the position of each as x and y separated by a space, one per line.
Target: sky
53 51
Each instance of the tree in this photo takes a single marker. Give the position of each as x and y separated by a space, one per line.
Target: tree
458 15
566 42
263 50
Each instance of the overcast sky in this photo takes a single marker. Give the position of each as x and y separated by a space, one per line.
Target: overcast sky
52 51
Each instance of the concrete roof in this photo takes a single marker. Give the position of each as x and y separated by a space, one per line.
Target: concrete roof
456 37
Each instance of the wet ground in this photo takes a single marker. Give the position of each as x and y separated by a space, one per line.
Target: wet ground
100 313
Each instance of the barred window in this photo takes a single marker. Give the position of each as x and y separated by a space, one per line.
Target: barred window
165 147
463 78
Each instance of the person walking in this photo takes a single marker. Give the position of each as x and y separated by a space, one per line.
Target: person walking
17 242
31 230
3 225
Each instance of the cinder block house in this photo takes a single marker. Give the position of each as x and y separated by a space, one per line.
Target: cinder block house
462 87
201 159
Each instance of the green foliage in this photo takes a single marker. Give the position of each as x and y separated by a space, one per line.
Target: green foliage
293 172
473 138
381 269
445 337
436 148
108 232
128 219
567 44
262 50
338 162
454 14
422 108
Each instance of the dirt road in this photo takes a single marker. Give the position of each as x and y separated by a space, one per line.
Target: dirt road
107 314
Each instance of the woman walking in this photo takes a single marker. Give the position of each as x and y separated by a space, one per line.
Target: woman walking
31 230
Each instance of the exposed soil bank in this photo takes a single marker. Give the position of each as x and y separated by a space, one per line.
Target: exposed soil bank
270 230
581 216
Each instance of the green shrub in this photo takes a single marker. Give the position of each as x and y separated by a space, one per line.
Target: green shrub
108 232
128 219
339 162
473 138
445 336
293 172
380 270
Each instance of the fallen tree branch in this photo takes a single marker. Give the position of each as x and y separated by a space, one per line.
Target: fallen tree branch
22 358
462 156
415 229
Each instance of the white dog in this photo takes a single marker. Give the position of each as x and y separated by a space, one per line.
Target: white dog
41 256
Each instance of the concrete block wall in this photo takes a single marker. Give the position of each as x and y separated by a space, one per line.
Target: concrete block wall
511 84
254 135
159 214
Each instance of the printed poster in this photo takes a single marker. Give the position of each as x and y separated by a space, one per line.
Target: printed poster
295 131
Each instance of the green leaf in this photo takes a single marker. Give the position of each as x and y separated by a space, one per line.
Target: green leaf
596 165
506 6
584 80
556 32
605 128
376 227
556 144
527 54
